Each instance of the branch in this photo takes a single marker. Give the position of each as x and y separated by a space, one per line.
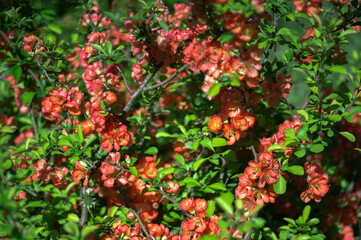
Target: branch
174 202
305 104
255 155
4 36
34 122
165 195
249 233
141 224
34 194
290 109
353 100
129 104
125 80
36 79
45 72
185 66
273 35
84 210
319 92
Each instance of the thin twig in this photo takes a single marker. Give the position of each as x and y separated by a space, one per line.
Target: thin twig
168 79
353 100
317 78
147 79
223 168
4 36
255 155
290 109
305 104
249 233
45 72
125 80
34 194
272 36
34 121
84 210
37 80
141 224
174 201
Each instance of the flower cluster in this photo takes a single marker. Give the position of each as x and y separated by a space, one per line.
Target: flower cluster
251 187
62 99
199 224
317 182
234 113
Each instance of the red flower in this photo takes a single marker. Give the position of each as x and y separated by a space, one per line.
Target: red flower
215 123
230 133
187 204
254 170
268 176
200 205
79 172
109 97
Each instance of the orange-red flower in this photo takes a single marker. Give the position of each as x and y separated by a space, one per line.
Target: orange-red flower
215 123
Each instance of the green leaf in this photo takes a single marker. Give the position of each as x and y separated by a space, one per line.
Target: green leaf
70 186
90 140
151 151
72 217
338 69
290 34
113 210
108 47
87 230
36 204
48 14
179 158
218 186
206 142
55 28
71 228
317 148
219 142
26 120
164 134
189 180
335 118
183 130
225 201
306 213
80 133
275 147
355 110
280 186
296 170
303 113
211 206
349 136
17 71
198 163
214 90
65 142
163 25
208 237
98 47
300 153
27 97
302 134
134 171
226 37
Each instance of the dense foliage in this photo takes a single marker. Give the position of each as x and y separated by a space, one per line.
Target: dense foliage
206 119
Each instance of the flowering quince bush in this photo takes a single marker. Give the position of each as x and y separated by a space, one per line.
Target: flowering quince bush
202 119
